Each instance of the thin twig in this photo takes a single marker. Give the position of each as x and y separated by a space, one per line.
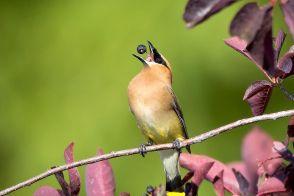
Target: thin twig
286 92
193 140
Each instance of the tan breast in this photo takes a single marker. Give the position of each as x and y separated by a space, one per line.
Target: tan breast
148 92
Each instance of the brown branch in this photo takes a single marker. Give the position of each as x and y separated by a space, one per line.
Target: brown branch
193 140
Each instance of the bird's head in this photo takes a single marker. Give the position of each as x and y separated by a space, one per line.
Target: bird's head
156 62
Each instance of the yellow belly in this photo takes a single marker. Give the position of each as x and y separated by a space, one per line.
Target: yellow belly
161 128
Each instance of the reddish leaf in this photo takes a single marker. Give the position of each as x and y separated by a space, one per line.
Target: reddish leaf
243 183
257 96
202 170
74 176
291 129
257 153
287 7
194 162
197 11
46 191
218 184
251 177
271 185
100 179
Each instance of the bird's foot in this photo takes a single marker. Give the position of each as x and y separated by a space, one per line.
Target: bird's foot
142 148
177 145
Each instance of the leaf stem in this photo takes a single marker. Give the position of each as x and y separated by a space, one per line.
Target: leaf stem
286 92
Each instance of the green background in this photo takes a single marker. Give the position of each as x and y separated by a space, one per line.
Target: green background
64 71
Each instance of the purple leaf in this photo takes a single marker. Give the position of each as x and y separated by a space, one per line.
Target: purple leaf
100 179
238 44
241 46
261 48
74 176
279 40
197 11
247 22
257 153
286 65
46 191
287 7
290 131
253 25
255 87
257 96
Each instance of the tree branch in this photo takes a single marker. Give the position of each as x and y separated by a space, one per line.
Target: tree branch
193 140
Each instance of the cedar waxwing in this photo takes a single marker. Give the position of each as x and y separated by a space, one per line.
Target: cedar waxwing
157 111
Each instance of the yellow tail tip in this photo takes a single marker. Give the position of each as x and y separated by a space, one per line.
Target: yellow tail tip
175 194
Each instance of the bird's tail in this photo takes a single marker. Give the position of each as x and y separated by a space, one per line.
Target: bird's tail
170 159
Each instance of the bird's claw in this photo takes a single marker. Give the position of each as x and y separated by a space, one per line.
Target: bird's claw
177 145
142 150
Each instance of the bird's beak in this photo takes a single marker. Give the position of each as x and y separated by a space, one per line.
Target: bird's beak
141 59
155 55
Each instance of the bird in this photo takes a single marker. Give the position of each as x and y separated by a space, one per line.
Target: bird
158 113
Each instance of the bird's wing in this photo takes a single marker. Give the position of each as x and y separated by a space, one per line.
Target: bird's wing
176 107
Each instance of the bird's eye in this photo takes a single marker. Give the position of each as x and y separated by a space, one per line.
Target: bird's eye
141 49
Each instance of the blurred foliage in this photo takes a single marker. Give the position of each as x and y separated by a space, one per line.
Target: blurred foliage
64 71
